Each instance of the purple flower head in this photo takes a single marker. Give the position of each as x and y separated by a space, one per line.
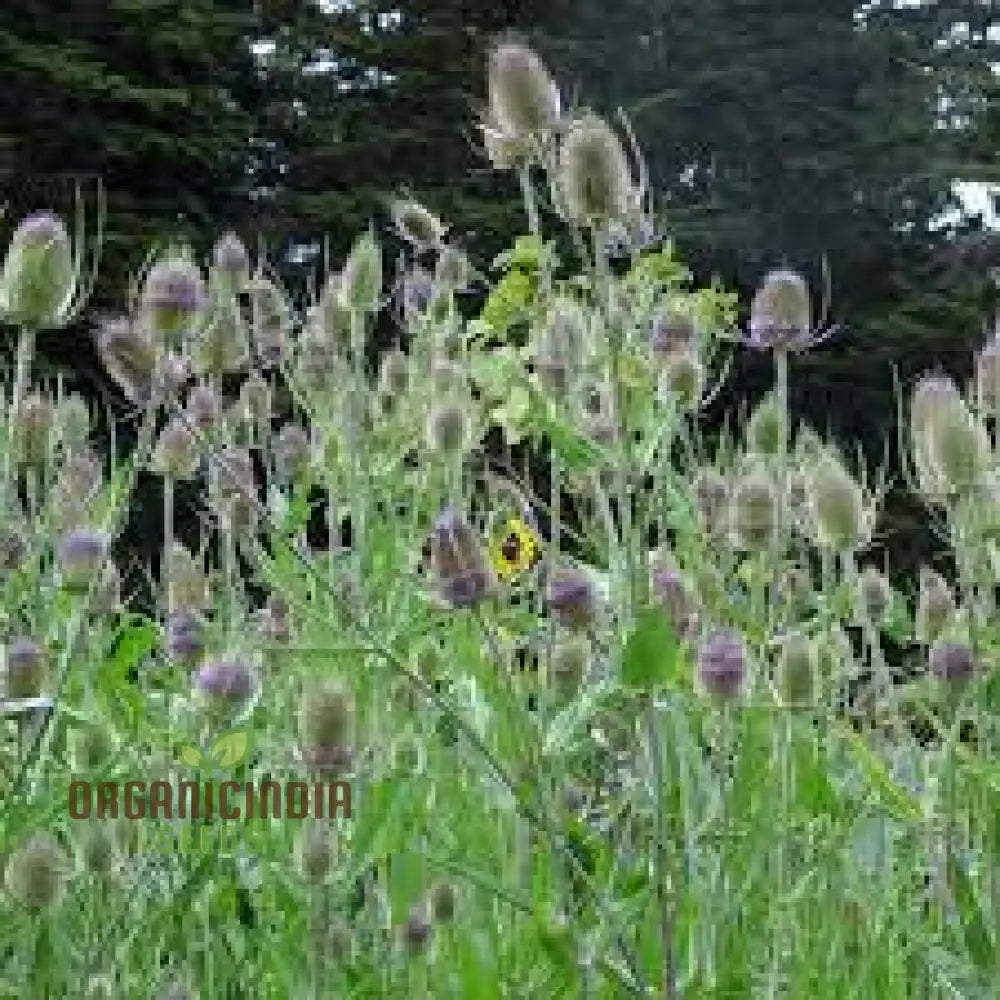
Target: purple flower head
571 598
81 555
185 636
459 561
951 661
226 680
722 663
42 227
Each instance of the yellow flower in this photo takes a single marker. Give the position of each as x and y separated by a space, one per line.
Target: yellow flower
515 549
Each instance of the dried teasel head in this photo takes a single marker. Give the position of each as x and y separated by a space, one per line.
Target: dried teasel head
523 98
594 178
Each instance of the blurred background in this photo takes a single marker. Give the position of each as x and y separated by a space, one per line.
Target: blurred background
775 131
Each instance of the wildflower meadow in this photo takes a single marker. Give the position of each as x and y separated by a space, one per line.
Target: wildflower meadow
631 733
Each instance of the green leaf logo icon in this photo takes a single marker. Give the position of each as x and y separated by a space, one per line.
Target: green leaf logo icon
191 755
231 749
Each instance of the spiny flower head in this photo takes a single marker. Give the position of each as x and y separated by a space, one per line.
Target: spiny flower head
951 660
177 454
36 873
81 555
935 606
39 278
840 521
173 296
524 99
754 509
459 562
874 594
417 225
781 311
226 680
594 177
672 332
361 278
24 668
230 263
571 596
722 663
326 727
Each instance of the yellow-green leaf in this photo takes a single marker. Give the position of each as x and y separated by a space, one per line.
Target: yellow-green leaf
230 749
191 755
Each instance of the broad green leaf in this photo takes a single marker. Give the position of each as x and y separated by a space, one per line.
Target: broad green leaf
190 755
651 657
231 748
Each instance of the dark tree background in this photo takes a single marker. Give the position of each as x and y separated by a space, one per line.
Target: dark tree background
775 130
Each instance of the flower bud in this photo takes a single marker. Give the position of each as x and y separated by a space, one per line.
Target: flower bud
222 346
185 639
524 100
874 595
361 279
81 558
447 430
673 333
712 500
25 668
571 597
177 455
173 297
781 311
39 278
459 561
204 408
684 378
128 355
672 590
935 606
595 180
36 873
951 448
753 510
797 668
569 664
765 428
326 728
722 663
838 517
292 452
271 319
171 374
230 264
34 418
186 582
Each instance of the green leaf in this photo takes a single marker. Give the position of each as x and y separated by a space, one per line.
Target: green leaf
651 657
231 748
190 755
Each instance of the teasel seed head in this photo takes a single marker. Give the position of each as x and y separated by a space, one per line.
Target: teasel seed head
781 311
127 354
675 595
711 493
81 557
524 99
797 667
874 595
417 225
39 277
673 332
722 663
37 872
951 447
186 582
326 728
185 637
951 660
571 597
24 668
222 346
177 454
458 559
594 177
34 420
230 264
569 663
754 510
173 297
839 519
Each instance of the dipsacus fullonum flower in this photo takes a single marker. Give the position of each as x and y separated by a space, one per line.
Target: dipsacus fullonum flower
524 99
